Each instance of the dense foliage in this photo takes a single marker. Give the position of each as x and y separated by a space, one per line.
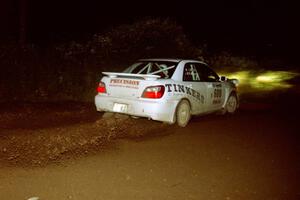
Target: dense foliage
71 70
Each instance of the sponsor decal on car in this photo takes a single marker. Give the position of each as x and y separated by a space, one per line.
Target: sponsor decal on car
124 83
177 88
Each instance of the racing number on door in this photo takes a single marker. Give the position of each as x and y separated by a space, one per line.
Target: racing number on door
217 95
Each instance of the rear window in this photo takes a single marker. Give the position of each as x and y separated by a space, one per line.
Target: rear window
163 68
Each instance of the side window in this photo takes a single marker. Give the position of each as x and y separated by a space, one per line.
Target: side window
190 73
206 74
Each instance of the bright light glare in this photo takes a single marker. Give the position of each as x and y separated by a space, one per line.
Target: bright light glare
264 79
269 80
274 80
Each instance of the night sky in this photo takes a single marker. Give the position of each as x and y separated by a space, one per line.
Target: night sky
250 24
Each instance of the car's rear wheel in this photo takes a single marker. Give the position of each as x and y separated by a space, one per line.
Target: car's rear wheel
183 113
232 103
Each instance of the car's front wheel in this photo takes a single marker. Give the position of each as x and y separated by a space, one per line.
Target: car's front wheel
183 113
232 103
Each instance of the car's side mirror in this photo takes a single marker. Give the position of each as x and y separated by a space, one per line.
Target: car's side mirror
234 81
223 78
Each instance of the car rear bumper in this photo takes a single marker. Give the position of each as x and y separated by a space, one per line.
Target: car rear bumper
160 110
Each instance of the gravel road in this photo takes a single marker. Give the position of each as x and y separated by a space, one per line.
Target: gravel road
59 151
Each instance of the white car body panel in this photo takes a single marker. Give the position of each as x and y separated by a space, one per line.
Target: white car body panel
124 92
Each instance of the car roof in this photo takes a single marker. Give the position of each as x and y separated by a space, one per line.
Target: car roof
172 60
161 59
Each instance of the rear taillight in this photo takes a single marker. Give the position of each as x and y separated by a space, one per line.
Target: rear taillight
154 92
101 88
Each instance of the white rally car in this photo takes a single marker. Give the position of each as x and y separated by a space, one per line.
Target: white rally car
168 90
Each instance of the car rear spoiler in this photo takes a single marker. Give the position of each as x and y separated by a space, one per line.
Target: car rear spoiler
150 77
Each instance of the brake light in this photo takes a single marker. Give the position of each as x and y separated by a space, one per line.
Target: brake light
101 88
154 92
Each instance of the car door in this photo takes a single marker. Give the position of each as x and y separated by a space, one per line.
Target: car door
215 90
195 90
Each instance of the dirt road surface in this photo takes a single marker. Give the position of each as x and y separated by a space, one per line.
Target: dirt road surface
253 154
